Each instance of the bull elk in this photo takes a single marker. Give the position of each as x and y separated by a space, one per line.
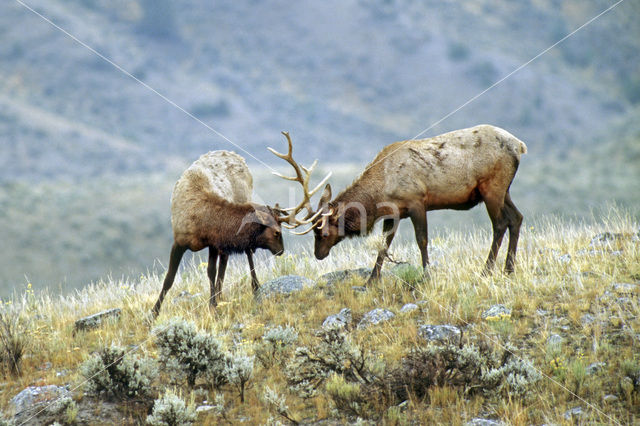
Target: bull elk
455 170
211 207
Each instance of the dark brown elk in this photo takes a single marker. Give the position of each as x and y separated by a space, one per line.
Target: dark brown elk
456 170
211 207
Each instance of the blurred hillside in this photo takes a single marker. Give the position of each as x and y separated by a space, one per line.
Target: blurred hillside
345 77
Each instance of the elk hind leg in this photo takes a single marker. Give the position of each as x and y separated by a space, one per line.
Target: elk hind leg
175 257
499 222
515 220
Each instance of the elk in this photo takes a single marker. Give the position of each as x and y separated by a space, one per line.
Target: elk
211 207
455 170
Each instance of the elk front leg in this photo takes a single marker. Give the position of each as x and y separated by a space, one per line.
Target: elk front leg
222 267
174 261
389 228
419 220
254 278
211 272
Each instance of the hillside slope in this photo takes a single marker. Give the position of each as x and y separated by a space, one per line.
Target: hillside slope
345 77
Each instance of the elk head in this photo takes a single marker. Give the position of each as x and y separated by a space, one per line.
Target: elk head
265 221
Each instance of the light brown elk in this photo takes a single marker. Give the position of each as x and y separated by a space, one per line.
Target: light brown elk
211 208
456 170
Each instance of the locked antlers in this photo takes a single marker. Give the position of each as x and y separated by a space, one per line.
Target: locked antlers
303 175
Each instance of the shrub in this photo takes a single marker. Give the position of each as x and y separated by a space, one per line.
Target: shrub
117 374
278 403
186 351
239 372
276 342
171 410
347 396
335 353
467 367
13 339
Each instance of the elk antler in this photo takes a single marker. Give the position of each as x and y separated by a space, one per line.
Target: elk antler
303 175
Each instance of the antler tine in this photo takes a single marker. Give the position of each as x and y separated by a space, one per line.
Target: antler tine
306 231
302 176
320 185
293 178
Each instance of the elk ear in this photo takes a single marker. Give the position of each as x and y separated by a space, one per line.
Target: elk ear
326 197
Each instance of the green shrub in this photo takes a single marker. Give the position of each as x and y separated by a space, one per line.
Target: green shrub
276 343
116 374
334 353
467 367
186 352
13 338
239 371
171 410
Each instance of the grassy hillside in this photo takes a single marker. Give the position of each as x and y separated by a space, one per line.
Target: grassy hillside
89 156
573 317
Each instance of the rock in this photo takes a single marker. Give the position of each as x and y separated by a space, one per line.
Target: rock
359 289
35 397
336 276
625 288
555 340
565 258
595 367
605 238
409 307
96 320
484 422
204 408
284 285
440 333
496 312
374 317
609 399
185 296
587 319
339 320
574 412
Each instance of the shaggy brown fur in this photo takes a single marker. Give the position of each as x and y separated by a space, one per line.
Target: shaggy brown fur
456 170
210 207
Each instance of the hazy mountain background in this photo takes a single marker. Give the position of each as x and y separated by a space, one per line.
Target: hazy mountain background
88 155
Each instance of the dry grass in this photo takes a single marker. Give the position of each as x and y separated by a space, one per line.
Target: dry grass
550 293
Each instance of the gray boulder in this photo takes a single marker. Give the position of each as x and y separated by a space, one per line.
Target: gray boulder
334 277
497 312
483 422
35 397
440 333
284 285
96 320
409 307
374 317
340 320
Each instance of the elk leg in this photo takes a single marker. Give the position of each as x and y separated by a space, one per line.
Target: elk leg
419 220
211 272
254 278
174 261
515 220
499 223
222 267
389 228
